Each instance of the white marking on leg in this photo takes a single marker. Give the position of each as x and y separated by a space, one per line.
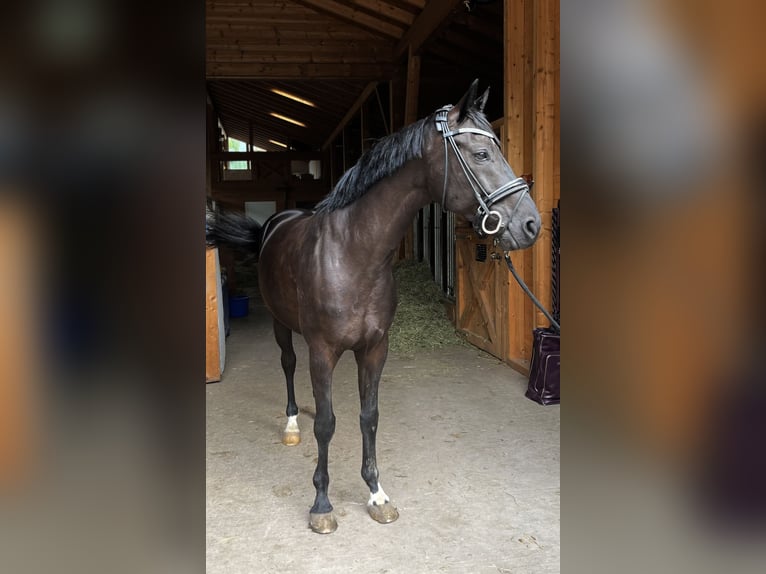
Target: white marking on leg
378 498
292 424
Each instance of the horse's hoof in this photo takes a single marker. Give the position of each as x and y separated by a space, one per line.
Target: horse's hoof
291 438
323 523
383 513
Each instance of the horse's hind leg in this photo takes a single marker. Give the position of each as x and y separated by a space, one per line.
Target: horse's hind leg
292 434
322 363
370 363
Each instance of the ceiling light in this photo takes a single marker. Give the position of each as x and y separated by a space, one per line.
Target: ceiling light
292 97
280 144
286 119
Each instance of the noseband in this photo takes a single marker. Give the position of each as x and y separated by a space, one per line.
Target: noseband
485 198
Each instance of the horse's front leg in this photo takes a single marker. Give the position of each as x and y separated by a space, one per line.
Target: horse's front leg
322 363
370 363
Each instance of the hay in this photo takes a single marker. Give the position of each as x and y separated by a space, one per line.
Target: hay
421 320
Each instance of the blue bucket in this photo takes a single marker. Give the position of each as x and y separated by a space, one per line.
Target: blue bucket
238 306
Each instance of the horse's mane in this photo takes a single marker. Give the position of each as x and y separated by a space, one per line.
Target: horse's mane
385 157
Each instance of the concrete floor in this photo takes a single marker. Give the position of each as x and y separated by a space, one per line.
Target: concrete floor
471 464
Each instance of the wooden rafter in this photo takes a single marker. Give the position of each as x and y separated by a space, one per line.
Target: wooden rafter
381 9
355 16
433 16
318 28
294 57
327 71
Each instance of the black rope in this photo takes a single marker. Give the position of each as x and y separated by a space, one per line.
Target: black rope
537 303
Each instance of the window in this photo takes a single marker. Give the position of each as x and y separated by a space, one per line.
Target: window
240 146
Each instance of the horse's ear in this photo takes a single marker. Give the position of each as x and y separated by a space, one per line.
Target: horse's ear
467 101
481 101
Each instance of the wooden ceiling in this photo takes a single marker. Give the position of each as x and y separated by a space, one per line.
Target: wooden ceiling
331 52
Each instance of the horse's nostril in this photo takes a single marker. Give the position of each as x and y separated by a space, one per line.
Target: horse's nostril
531 227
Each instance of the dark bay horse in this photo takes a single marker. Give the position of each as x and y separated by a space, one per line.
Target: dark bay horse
328 274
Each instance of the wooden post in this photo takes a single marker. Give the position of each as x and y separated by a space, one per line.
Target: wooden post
413 86
517 141
410 116
546 58
364 130
398 86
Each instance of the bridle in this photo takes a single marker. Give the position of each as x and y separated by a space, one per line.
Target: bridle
486 199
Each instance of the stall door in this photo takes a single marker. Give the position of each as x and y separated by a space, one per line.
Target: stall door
479 293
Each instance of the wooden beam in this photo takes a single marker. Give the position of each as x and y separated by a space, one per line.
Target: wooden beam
317 27
411 5
433 16
517 144
381 49
246 4
397 92
413 88
387 10
328 71
546 48
410 116
368 89
267 56
278 156
354 17
266 33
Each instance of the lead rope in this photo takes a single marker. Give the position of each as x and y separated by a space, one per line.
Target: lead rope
537 303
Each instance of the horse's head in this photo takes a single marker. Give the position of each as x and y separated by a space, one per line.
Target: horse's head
470 176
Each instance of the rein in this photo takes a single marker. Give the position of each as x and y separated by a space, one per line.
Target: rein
526 289
485 198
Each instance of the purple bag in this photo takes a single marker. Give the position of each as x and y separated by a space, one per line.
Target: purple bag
544 371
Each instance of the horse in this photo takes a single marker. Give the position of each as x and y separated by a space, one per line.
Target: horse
327 274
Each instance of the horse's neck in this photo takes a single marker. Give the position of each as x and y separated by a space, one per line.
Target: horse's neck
378 220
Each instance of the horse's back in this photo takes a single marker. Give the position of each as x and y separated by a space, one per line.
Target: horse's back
280 219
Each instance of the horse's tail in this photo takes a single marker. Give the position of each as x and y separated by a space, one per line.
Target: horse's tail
225 228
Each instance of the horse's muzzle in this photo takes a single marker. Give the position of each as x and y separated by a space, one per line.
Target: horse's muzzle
531 228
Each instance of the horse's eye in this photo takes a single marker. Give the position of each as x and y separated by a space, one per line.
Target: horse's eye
481 155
